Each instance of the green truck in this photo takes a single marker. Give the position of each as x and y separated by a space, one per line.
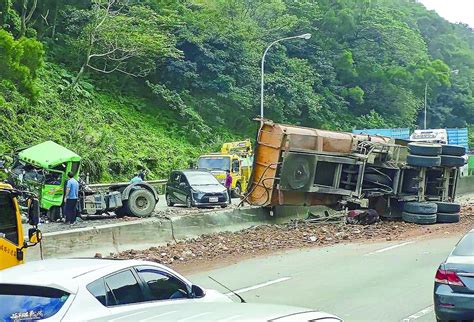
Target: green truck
44 168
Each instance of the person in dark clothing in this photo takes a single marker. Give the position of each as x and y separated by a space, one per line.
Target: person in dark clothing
228 184
70 199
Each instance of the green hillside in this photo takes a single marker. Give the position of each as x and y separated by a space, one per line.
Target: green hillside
153 83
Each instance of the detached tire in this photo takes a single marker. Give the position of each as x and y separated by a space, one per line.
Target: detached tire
423 219
454 150
141 203
448 207
420 207
423 161
424 149
452 161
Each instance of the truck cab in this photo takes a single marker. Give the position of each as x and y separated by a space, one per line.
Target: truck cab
235 157
45 166
12 243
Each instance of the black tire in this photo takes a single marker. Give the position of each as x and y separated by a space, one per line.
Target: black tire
423 161
420 207
454 150
444 218
54 213
425 149
141 203
237 191
169 203
122 211
448 207
377 178
423 219
452 161
189 202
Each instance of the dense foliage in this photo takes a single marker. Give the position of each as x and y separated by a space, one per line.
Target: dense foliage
151 83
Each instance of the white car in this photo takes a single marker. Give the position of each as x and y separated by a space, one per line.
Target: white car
85 289
209 312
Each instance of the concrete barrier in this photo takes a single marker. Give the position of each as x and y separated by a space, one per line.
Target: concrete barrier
465 185
141 234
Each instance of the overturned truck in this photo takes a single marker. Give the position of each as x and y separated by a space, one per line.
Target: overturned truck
304 166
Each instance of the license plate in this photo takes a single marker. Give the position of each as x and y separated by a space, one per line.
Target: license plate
213 199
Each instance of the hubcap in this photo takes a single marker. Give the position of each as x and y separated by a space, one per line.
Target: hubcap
141 202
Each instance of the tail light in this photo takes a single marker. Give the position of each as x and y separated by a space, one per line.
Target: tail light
448 277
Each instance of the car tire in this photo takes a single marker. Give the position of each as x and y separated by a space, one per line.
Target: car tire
423 219
169 203
448 207
189 202
141 203
423 161
454 150
452 161
420 207
444 218
237 191
424 149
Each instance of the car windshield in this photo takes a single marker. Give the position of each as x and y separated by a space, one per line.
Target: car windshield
26 303
465 246
201 179
8 220
214 163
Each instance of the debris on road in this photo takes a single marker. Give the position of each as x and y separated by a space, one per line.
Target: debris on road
296 234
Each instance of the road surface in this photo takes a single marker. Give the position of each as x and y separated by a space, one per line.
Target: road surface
388 281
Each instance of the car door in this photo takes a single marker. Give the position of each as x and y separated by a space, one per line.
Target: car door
161 285
183 189
172 186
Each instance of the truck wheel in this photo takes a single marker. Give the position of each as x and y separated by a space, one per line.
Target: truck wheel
420 207
189 202
424 149
141 203
168 201
444 218
237 191
452 161
423 161
448 207
454 150
54 213
423 219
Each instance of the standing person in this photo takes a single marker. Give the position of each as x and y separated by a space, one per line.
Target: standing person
228 185
70 199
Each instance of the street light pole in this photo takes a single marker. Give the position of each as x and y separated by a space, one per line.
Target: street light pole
262 85
454 72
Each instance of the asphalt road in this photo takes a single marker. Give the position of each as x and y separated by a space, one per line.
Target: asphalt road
389 281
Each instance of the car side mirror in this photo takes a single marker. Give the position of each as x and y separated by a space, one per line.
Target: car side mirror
34 235
197 292
33 212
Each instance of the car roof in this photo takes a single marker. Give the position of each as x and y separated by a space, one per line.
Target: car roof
65 274
200 311
193 171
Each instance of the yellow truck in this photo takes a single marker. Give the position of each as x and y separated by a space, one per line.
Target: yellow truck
237 157
12 240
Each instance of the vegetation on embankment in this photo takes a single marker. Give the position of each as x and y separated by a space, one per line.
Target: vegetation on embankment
152 83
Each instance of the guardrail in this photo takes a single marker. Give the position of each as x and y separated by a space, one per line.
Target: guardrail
159 184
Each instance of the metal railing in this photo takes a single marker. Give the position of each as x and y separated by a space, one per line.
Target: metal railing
158 184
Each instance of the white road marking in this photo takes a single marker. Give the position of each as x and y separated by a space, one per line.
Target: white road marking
419 314
389 248
251 288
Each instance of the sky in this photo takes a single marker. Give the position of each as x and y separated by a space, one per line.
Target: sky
453 10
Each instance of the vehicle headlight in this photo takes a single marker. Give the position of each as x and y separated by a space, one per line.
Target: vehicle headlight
198 195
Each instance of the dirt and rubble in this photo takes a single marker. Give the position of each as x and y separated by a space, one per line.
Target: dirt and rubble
207 250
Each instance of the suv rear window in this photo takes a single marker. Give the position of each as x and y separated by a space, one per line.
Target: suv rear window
465 247
26 302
